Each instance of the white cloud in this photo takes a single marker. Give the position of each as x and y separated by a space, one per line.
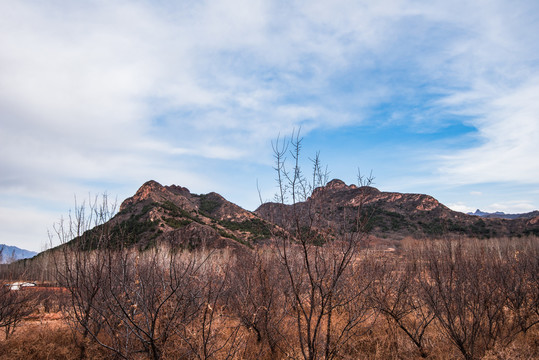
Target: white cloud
461 207
97 93
512 207
490 78
508 207
508 128
15 230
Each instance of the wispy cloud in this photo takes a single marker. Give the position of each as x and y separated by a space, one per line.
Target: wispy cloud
96 92
508 128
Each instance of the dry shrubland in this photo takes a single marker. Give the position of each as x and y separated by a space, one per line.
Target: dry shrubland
442 299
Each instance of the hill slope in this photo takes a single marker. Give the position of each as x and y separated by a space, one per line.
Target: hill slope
174 215
394 215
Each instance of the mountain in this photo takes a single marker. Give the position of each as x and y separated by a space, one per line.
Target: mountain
502 215
393 215
172 214
481 213
12 253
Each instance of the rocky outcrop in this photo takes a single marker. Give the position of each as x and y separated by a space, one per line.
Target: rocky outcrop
151 191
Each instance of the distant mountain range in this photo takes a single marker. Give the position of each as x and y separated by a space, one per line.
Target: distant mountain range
502 215
12 253
172 214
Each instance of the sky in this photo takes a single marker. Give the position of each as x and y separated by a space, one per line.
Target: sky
434 97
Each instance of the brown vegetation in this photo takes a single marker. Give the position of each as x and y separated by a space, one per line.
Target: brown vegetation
444 299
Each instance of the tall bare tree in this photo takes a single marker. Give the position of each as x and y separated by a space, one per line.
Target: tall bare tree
80 263
317 266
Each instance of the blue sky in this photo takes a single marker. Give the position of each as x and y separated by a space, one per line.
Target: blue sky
437 97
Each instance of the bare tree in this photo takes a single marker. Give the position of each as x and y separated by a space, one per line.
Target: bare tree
395 295
80 263
145 294
316 274
280 150
15 305
516 273
258 300
212 332
460 287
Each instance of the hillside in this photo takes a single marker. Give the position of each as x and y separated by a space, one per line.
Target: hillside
174 215
393 215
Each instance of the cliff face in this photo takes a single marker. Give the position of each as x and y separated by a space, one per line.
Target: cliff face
172 214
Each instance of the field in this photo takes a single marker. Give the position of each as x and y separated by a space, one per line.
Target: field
443 299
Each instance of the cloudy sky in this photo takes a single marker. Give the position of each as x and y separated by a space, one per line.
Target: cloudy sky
436 97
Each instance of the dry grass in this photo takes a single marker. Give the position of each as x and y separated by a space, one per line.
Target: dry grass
524 347
46 334
49 337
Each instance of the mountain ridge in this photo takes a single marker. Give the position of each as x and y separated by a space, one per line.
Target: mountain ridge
398 215
10 253
172 214
502 215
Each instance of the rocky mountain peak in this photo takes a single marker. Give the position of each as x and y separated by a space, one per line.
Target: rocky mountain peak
215 196
176 189
502 215
173 214
144 192
148 187
337 184
154 191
